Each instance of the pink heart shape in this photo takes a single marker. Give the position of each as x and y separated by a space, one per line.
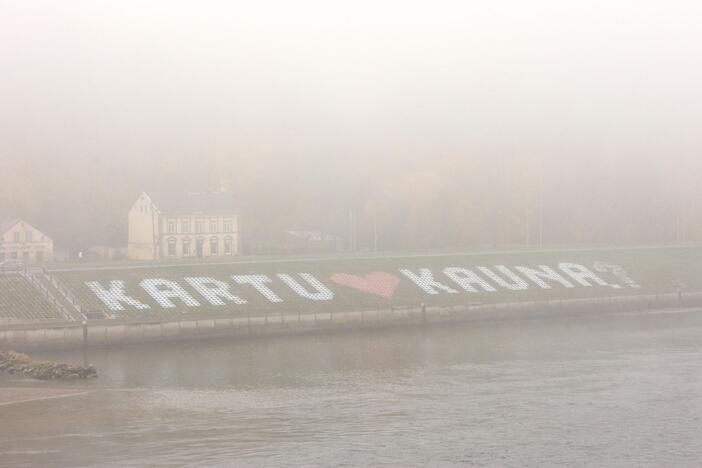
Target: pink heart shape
377 282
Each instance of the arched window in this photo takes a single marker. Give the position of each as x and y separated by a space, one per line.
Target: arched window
171 246
186 247
214 246
228 245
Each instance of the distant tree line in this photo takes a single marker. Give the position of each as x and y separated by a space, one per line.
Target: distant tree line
440 202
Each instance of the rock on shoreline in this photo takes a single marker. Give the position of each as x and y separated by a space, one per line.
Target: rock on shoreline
18 363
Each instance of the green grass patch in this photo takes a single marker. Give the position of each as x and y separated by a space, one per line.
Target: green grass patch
655 270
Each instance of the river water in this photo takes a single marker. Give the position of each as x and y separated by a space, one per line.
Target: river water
614 390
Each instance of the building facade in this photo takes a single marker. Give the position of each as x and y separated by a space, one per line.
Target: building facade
202 224
19 240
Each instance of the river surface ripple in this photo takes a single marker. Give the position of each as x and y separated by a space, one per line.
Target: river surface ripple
615 390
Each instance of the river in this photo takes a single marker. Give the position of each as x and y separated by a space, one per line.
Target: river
604 390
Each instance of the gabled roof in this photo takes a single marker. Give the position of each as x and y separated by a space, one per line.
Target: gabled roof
220 203
6 224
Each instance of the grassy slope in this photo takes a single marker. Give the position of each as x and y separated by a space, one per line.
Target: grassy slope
20 302
653 268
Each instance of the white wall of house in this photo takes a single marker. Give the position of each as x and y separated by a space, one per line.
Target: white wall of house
179 236
199 236
143 221
26 243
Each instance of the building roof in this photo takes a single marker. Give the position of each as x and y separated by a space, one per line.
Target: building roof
220 203
7 223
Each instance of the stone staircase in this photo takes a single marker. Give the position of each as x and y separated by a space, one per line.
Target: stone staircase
56 293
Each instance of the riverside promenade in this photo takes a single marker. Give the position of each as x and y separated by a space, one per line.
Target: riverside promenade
114 304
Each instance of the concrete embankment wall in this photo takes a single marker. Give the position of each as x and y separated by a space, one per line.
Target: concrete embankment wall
106 333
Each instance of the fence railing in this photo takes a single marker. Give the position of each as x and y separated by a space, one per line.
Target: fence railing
65 292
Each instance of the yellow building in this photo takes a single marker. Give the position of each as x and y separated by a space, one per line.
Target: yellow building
22 241
195 224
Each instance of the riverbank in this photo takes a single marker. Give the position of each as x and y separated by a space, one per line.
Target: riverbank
116 333
122 304
259 287
12 362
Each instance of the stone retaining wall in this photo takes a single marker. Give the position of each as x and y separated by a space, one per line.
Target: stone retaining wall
72 335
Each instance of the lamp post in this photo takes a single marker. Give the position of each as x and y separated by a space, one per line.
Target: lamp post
153 228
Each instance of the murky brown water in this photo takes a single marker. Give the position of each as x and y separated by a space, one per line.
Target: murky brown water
603 391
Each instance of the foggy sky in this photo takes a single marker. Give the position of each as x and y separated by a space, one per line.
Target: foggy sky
311 109
325 81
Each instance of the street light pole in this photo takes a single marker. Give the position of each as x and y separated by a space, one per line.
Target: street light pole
153 229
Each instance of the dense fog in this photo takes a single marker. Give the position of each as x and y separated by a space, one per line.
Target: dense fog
395 125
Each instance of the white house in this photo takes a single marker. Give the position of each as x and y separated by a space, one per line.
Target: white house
22 241
192 224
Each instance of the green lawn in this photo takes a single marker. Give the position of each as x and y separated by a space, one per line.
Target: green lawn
654 269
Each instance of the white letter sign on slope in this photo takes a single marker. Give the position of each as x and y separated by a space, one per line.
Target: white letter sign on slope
258 282
162 290
581 274
517 283
466 279
322 293
199 291
545 273
427 282
213 290
115 296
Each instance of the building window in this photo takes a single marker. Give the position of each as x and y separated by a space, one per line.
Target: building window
171 226
214 225
198 246
198 226
227 225
28 236
17 236
186 226
214 246
186 247
171 247
227 245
